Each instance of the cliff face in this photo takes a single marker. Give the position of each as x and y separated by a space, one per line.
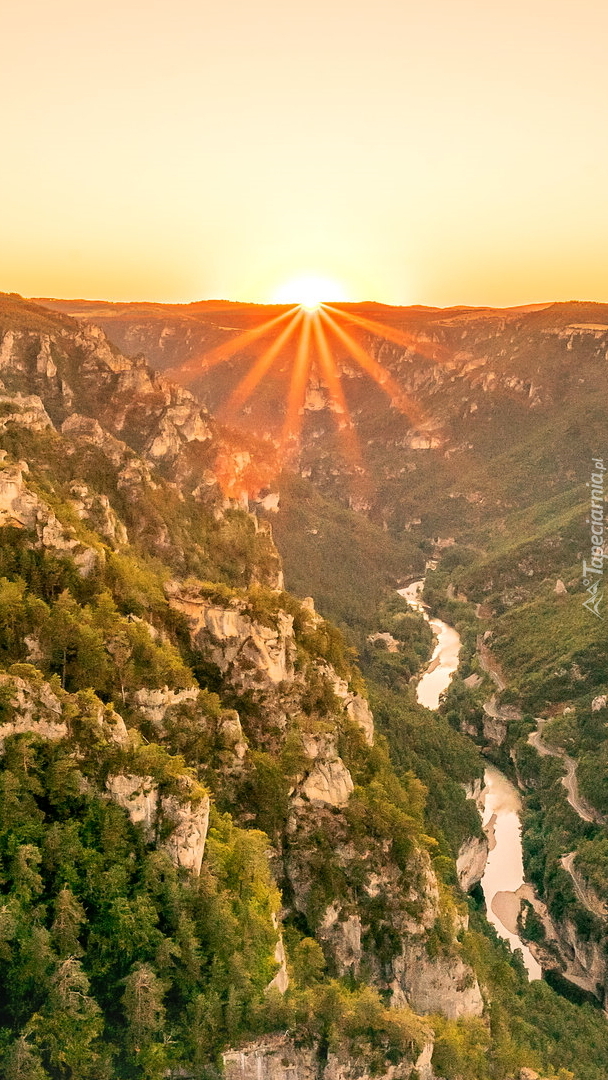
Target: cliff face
137 419
186 821
270 663
471 861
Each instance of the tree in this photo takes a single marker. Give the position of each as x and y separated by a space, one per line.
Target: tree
69 916
143 1006
121 652
76 646
68 1027
23 1062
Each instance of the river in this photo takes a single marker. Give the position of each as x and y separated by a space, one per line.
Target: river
444 661
503 880
500 802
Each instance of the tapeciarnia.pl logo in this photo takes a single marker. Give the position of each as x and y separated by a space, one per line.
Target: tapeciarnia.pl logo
593 571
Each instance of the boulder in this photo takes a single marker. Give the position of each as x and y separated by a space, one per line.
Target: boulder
328 784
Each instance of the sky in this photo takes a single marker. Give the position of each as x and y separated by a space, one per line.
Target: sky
437 152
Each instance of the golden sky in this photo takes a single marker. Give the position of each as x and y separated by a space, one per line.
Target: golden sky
438 151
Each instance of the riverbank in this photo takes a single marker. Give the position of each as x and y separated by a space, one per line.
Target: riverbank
571 944
499 801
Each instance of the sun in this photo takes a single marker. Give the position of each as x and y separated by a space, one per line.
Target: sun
310 292
310 338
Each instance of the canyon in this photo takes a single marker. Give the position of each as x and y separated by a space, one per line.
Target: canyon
219 810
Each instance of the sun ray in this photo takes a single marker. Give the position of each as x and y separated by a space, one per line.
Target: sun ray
310 326
379 374
200 364
334 387
391 333
297 389
249 382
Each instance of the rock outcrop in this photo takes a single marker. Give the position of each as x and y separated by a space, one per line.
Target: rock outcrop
35 708
385 640
343 937
252 655
96 510
278 1058
583 962
355 705
138 795
471 861
23 508
187 820
329 782
494 724
280 981
24 409
443 984
155 704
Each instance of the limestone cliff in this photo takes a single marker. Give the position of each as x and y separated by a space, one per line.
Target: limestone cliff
70 378
266 660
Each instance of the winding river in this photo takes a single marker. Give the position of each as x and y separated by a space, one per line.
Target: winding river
503 882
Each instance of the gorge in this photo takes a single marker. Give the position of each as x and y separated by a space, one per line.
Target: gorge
231 837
